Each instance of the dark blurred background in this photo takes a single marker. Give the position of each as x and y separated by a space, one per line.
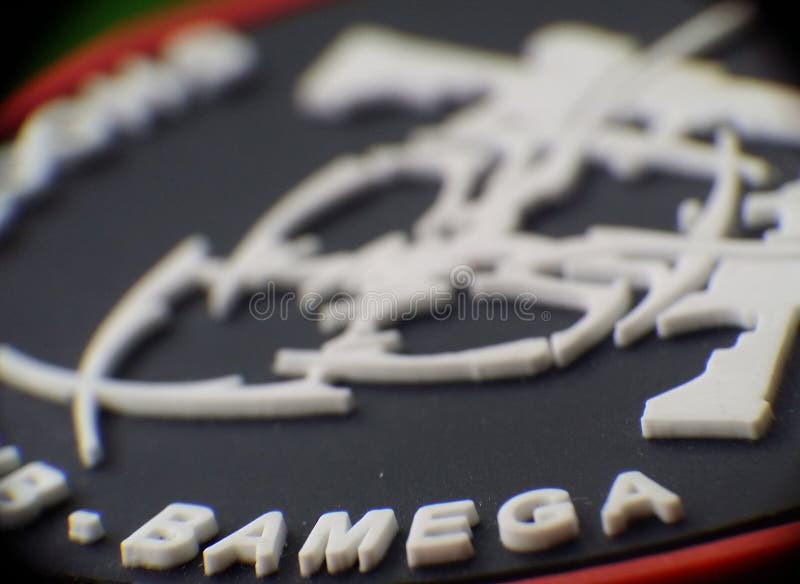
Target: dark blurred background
45 31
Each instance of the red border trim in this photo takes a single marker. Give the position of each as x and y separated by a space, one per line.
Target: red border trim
722 557
141 35
726 557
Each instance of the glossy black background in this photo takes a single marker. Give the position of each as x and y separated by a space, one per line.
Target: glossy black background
213 170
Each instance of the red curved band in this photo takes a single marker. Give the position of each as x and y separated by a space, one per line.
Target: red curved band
141 35
721 558
726 556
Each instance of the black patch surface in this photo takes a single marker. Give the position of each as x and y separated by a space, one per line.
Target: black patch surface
213 170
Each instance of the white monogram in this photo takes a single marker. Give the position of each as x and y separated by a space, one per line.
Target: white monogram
529 127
